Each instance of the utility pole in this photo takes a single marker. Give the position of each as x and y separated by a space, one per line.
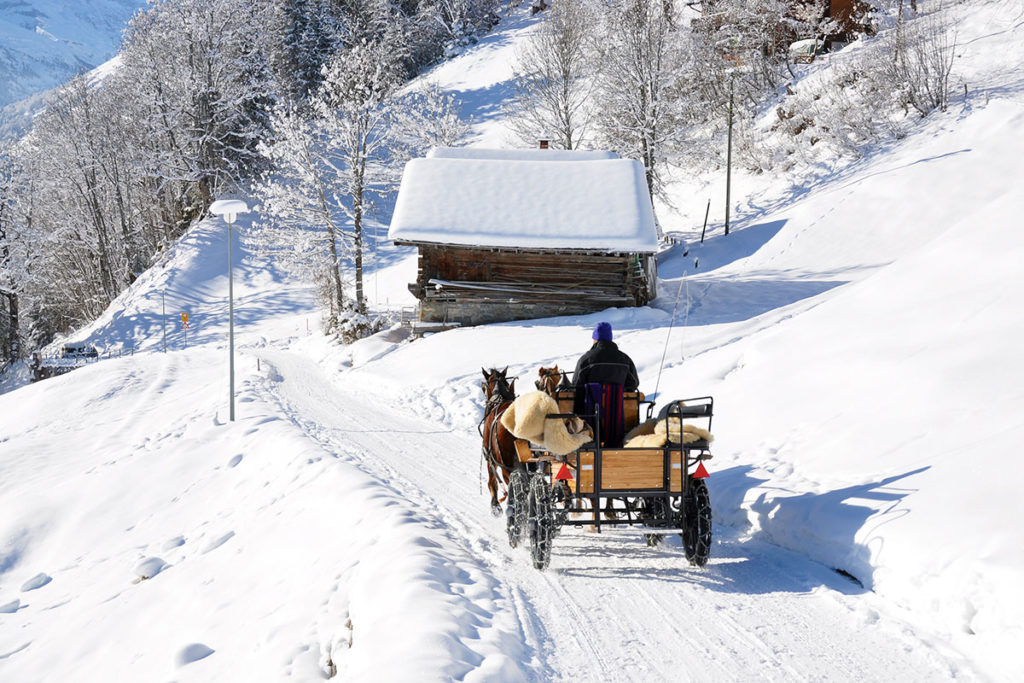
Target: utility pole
706 212
728 155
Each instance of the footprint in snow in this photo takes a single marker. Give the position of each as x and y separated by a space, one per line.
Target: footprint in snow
218 542
235 460
173 543
192 653
37 581
10 607
148 568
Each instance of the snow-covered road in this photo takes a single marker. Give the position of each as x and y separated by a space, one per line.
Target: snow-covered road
609 606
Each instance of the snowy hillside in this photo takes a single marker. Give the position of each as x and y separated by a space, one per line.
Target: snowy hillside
860 337
43 43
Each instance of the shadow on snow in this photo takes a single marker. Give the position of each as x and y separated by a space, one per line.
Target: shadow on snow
760 563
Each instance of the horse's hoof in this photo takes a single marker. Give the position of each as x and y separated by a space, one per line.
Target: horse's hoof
496 510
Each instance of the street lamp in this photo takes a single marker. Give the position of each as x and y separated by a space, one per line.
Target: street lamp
733 57
228 209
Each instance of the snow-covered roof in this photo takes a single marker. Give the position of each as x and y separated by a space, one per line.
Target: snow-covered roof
599 204
519 154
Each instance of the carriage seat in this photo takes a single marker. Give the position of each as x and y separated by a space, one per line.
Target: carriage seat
631 401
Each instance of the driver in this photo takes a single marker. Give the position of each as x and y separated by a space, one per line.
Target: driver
602 374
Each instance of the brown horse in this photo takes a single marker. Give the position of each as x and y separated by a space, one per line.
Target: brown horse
499 449
549 380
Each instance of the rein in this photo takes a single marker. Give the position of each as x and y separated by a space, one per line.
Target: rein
492 434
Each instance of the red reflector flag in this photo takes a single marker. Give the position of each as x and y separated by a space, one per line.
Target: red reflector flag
564 473
701 473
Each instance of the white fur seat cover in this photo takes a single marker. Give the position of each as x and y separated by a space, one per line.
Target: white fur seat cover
656 433
527 419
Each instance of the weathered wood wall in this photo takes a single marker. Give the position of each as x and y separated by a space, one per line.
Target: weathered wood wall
473 285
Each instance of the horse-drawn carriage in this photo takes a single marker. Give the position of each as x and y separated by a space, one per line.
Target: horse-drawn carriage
657 487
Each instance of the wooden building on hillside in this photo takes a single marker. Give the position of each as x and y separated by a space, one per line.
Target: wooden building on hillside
512 235
852 17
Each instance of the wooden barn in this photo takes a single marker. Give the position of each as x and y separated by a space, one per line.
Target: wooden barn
512 235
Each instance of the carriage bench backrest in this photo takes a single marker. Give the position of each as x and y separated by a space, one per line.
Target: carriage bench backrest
630 406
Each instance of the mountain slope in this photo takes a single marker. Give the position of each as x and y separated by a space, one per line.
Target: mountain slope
859 339
43 43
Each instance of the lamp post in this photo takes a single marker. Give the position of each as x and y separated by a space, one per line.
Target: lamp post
732 56
228 209
728 156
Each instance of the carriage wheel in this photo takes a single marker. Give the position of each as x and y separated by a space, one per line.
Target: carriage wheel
516 510
541 521
561 502
657 508
697 523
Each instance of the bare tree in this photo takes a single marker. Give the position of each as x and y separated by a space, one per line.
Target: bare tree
923 51
326 161
555 78
642 66
9 315
426 118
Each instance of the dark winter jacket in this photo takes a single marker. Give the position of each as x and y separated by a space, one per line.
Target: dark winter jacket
603 363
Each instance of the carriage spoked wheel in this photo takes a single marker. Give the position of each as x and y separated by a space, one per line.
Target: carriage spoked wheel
561 502
657 508
541 521
697 523
516 512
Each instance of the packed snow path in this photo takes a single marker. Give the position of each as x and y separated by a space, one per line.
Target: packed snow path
609 606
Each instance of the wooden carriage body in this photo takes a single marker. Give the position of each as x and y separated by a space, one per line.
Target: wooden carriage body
624 473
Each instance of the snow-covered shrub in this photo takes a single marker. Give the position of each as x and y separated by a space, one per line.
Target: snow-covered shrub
352 325
921 66
841 111
865 96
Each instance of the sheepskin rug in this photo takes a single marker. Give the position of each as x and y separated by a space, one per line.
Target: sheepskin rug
527 419
656 433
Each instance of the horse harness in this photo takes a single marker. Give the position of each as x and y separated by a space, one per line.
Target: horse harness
496 405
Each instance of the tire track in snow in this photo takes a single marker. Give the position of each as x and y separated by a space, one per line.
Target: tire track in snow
474 549
608 606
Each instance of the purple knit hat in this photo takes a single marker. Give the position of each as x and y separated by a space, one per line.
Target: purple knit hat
603 331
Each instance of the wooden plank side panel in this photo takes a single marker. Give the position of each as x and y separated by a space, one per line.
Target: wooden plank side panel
584 482
632 469
676 479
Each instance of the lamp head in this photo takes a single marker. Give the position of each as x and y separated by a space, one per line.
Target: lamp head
229 209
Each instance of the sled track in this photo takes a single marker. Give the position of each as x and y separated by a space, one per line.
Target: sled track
609 606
